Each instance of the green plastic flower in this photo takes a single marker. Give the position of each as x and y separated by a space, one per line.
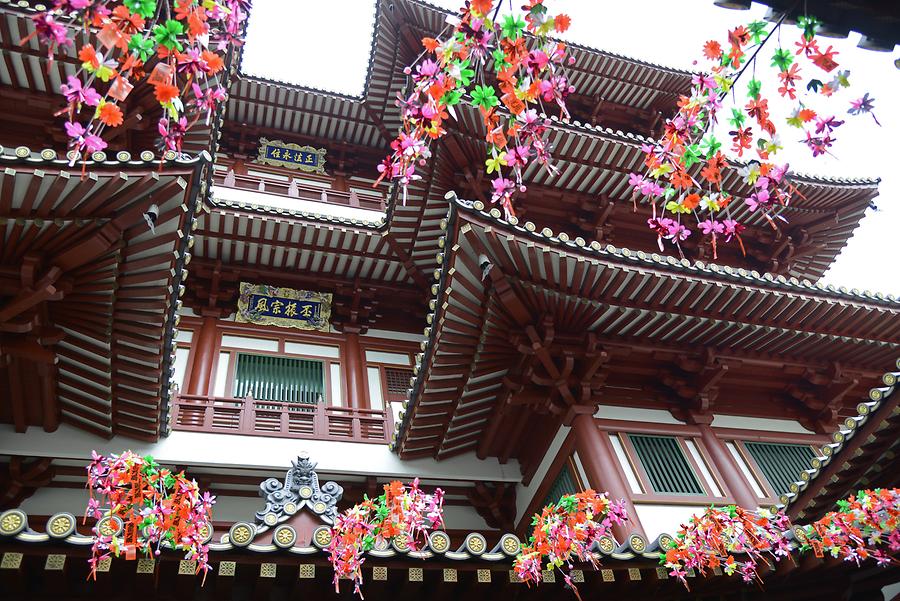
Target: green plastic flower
512 26
145 8
167 34
753 88
484 96
141 47
782 59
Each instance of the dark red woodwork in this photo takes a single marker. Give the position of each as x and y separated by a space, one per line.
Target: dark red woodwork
227 415
728 468
204 346
355 371
602 468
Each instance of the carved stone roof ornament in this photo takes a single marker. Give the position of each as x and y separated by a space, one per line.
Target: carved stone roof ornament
300 489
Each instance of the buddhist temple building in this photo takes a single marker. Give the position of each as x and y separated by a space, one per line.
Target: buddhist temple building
258 312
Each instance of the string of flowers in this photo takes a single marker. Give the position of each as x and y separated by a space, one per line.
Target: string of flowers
184 41
528 68
400 511
156 507
683 169
861 524
566 531
714 538
855 532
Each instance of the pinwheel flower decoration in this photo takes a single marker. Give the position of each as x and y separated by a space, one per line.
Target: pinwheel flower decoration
156 507
565 532
176 46
400 512
507 69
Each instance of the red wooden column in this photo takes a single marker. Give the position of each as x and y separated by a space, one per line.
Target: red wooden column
731 473
204 343
354 370
603 471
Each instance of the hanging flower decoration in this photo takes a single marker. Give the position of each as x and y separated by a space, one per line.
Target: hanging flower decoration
683 170
565 532
861 524
400 511
854 532
507 68
713 539
180 42
155 505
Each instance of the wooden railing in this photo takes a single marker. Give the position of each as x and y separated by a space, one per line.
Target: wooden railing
299 189
194 413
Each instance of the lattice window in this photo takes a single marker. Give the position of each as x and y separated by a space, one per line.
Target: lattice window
665 464
284 379
397 383
781 464
564 484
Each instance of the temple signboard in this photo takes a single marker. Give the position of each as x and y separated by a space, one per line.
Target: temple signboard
286 307
292 156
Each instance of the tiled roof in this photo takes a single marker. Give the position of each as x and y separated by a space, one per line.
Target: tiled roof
870 434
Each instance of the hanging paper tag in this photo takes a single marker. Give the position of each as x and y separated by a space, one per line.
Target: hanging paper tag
817 548
120 88
162 73
109 36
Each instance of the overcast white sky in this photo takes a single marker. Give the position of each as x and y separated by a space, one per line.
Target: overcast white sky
326 45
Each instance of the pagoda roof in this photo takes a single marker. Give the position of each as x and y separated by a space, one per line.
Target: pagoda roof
503 285
239 241
93 292
29 92
371 118
863 453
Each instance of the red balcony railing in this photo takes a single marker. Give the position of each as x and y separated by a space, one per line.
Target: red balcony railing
298 189
194 413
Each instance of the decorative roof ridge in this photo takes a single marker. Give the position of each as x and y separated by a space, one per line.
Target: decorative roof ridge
241 535
376 226
843 434
670 262
48 156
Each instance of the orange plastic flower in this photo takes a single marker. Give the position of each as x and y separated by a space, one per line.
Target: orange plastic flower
481 7
165 93
562 22
214 61
110 114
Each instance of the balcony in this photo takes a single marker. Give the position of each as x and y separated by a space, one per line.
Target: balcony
289 187
250 417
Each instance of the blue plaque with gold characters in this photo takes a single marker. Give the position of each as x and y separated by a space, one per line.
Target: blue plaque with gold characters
286 307
292 156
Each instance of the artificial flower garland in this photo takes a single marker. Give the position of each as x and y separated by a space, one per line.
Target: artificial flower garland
156 506
683 170
530 74
182 43
400 511
566 531
855 532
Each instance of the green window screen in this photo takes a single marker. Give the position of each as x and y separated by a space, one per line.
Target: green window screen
565 484
285 379
666 466
780 463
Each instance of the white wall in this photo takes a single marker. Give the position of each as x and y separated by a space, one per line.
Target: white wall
764 424
524 494
296 204
275 454
659 519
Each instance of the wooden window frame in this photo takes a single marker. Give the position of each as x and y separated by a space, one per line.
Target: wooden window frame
764 484
651 496
680 432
